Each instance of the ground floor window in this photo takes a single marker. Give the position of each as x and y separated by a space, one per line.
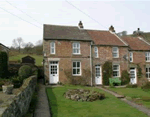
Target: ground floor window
76 68
116 71
147 72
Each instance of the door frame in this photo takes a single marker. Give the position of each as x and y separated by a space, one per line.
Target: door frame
50 71
100 75
135 75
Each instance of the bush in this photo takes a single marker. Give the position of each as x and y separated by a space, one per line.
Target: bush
125 79
142 81
25 71
3 64
107 72
17 82
132 86
146 87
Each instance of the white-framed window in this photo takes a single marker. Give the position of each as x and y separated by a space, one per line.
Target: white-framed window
116 70
148 72
131 56
76 68
52 47
96 52
147 56
76 48
115 52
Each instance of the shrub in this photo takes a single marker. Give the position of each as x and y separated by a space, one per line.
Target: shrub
107 72
142 81
78 80
131 86
25 71
17 82
125 79
146 87
3 64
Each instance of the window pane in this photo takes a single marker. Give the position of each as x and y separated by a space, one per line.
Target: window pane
78 45
74 64
78 71
74 71
115 54
74 45
115 49
146 69
78 64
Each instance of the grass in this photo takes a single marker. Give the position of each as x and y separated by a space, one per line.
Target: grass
133 94
39 58
109 107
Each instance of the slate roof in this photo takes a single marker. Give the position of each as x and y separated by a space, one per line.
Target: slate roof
65 32
4 46
135 43
105 38
28 57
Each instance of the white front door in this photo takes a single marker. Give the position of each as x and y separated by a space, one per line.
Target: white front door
53 72
133 75
98 77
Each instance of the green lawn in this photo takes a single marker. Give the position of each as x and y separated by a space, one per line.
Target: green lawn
109 107
134 93
39 58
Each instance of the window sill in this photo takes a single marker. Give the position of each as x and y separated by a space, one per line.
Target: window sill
147 61
115 57
76 54
76 75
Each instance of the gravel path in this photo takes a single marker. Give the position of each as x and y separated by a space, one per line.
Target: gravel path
42 108
121 97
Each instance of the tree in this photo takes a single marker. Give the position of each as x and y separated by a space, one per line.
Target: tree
28 47
18 43
39 47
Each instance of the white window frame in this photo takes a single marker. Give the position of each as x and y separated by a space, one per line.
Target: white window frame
115 52
116 70
96 52
74 47
147 72
147 56
76 68
51 48
131 56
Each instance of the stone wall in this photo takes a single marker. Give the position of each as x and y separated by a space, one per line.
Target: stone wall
18 106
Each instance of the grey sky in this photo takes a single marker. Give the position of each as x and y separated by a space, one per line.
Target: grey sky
123 15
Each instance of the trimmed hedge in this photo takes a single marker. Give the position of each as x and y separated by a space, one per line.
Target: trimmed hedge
3 64
25 71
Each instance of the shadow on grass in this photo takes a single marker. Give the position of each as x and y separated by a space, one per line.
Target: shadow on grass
52 102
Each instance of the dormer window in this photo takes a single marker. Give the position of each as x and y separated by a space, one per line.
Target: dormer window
76 48
115 52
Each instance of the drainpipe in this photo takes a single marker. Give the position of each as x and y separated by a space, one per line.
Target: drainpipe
91 62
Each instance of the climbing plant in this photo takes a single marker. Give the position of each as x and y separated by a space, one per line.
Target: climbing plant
139 71
125 78
107 72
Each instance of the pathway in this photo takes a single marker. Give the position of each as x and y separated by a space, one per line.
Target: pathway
42 108
121 97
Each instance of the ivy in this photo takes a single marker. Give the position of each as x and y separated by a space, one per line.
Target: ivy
125 78
107 72
139 69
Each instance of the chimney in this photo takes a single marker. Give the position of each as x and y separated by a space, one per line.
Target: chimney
111 28
80 24
138 32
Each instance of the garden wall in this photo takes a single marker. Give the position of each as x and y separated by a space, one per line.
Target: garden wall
18 106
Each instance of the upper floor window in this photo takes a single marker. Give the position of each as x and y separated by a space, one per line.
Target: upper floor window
76 68
52 47
147 56
131 57
116 71
115 52
76 48
96 52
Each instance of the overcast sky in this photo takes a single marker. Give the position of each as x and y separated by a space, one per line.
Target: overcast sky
123 15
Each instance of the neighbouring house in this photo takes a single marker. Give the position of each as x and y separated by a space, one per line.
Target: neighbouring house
79 51
28 60
4 48
139 57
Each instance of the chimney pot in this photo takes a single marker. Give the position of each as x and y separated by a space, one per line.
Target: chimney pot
111 28
80 24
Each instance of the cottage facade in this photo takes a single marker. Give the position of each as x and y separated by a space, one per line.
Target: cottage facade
71 51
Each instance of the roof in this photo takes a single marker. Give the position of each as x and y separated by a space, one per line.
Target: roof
4 46
28 57
105 38
136 43
65 32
